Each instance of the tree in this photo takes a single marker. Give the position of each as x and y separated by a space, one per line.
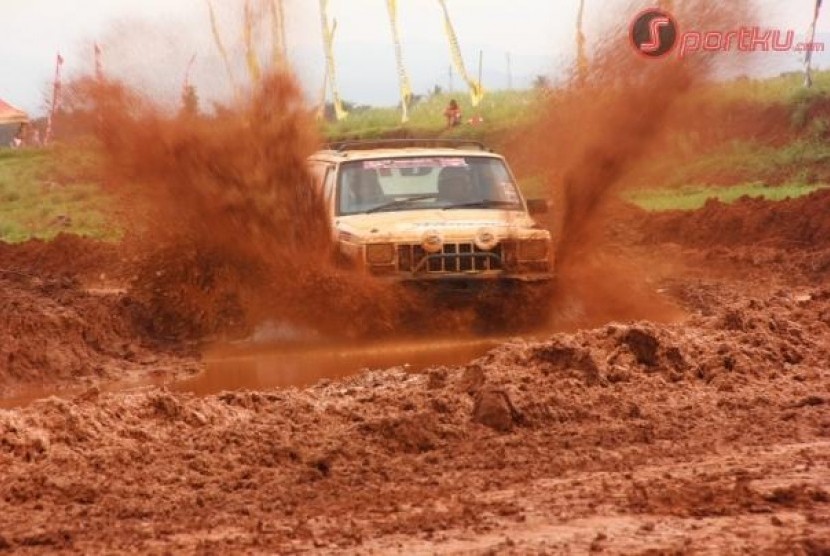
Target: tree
541 82
190 101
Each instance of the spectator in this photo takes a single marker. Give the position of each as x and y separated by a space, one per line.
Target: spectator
17 140
453 114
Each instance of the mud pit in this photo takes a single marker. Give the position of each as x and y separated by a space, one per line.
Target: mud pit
709 435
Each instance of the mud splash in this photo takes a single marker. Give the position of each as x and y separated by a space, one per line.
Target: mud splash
592 138
228 228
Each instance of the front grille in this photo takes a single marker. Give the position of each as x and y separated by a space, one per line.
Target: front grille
454 257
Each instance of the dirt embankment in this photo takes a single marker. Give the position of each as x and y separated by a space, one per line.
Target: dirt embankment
759 242
65 320
56 334
801 223
65 255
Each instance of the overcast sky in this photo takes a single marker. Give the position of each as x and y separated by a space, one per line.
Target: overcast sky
151 41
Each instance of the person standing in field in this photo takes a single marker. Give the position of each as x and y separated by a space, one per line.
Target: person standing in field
17 140
453 114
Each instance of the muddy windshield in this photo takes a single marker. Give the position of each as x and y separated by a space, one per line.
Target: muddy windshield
448 183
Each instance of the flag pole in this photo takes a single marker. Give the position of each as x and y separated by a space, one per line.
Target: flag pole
99 66
581 57
403 77
56 92
808 57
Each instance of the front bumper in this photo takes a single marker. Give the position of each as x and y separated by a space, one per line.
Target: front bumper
444 268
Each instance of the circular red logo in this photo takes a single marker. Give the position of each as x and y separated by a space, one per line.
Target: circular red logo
654 33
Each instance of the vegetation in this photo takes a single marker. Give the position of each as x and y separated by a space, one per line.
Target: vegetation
499 111
787 88
46 192
694 197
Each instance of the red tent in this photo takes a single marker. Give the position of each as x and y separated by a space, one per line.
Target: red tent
11 115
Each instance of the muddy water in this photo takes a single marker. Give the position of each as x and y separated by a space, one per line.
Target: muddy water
258 366
261 368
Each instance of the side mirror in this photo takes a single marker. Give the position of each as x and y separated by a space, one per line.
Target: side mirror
537 206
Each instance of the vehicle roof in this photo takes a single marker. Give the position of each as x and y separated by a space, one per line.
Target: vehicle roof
331 155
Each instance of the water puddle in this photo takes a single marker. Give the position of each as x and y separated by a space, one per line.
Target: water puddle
262 368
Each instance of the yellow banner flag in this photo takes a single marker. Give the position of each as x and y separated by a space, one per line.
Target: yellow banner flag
221 47
476 90
278 44
581 57
250 51
403 78
331 74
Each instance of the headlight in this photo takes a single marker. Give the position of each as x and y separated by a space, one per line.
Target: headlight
533 249
380 253
432 242
486 239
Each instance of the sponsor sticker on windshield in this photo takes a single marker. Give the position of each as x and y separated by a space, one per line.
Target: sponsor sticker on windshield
399 163
509 192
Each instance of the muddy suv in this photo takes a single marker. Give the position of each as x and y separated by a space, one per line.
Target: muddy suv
447 211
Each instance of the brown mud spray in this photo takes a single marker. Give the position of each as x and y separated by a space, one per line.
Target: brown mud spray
592 137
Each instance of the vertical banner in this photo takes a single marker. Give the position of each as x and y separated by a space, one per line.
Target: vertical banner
217 38
811 38
321 107
581 57
331 72
250 50
278 42
56 99
403 78
99 66
186 83
476 90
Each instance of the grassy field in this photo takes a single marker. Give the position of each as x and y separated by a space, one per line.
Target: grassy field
499 111
802 161
691 197
40 197
46 192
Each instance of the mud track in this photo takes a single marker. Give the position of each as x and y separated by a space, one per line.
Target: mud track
708 435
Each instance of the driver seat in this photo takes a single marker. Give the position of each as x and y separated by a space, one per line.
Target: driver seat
454 185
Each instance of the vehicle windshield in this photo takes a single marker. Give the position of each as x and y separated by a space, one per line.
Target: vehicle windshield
416 183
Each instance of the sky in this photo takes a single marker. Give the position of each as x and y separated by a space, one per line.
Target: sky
150 43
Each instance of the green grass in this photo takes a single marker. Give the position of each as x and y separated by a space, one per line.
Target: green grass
805 160
46 192
505 109
691 197
786 88
499 111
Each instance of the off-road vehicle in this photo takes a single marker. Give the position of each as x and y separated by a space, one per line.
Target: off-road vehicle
431 211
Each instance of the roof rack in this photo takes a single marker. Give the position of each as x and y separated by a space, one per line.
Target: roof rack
341 146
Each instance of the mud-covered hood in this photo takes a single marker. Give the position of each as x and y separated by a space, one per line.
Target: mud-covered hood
452 224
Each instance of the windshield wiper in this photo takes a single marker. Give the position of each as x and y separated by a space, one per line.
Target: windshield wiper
401 202
487 203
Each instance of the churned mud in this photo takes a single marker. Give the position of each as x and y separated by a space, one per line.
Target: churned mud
707 434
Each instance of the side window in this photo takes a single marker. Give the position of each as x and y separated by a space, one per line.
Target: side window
317 172
329 183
